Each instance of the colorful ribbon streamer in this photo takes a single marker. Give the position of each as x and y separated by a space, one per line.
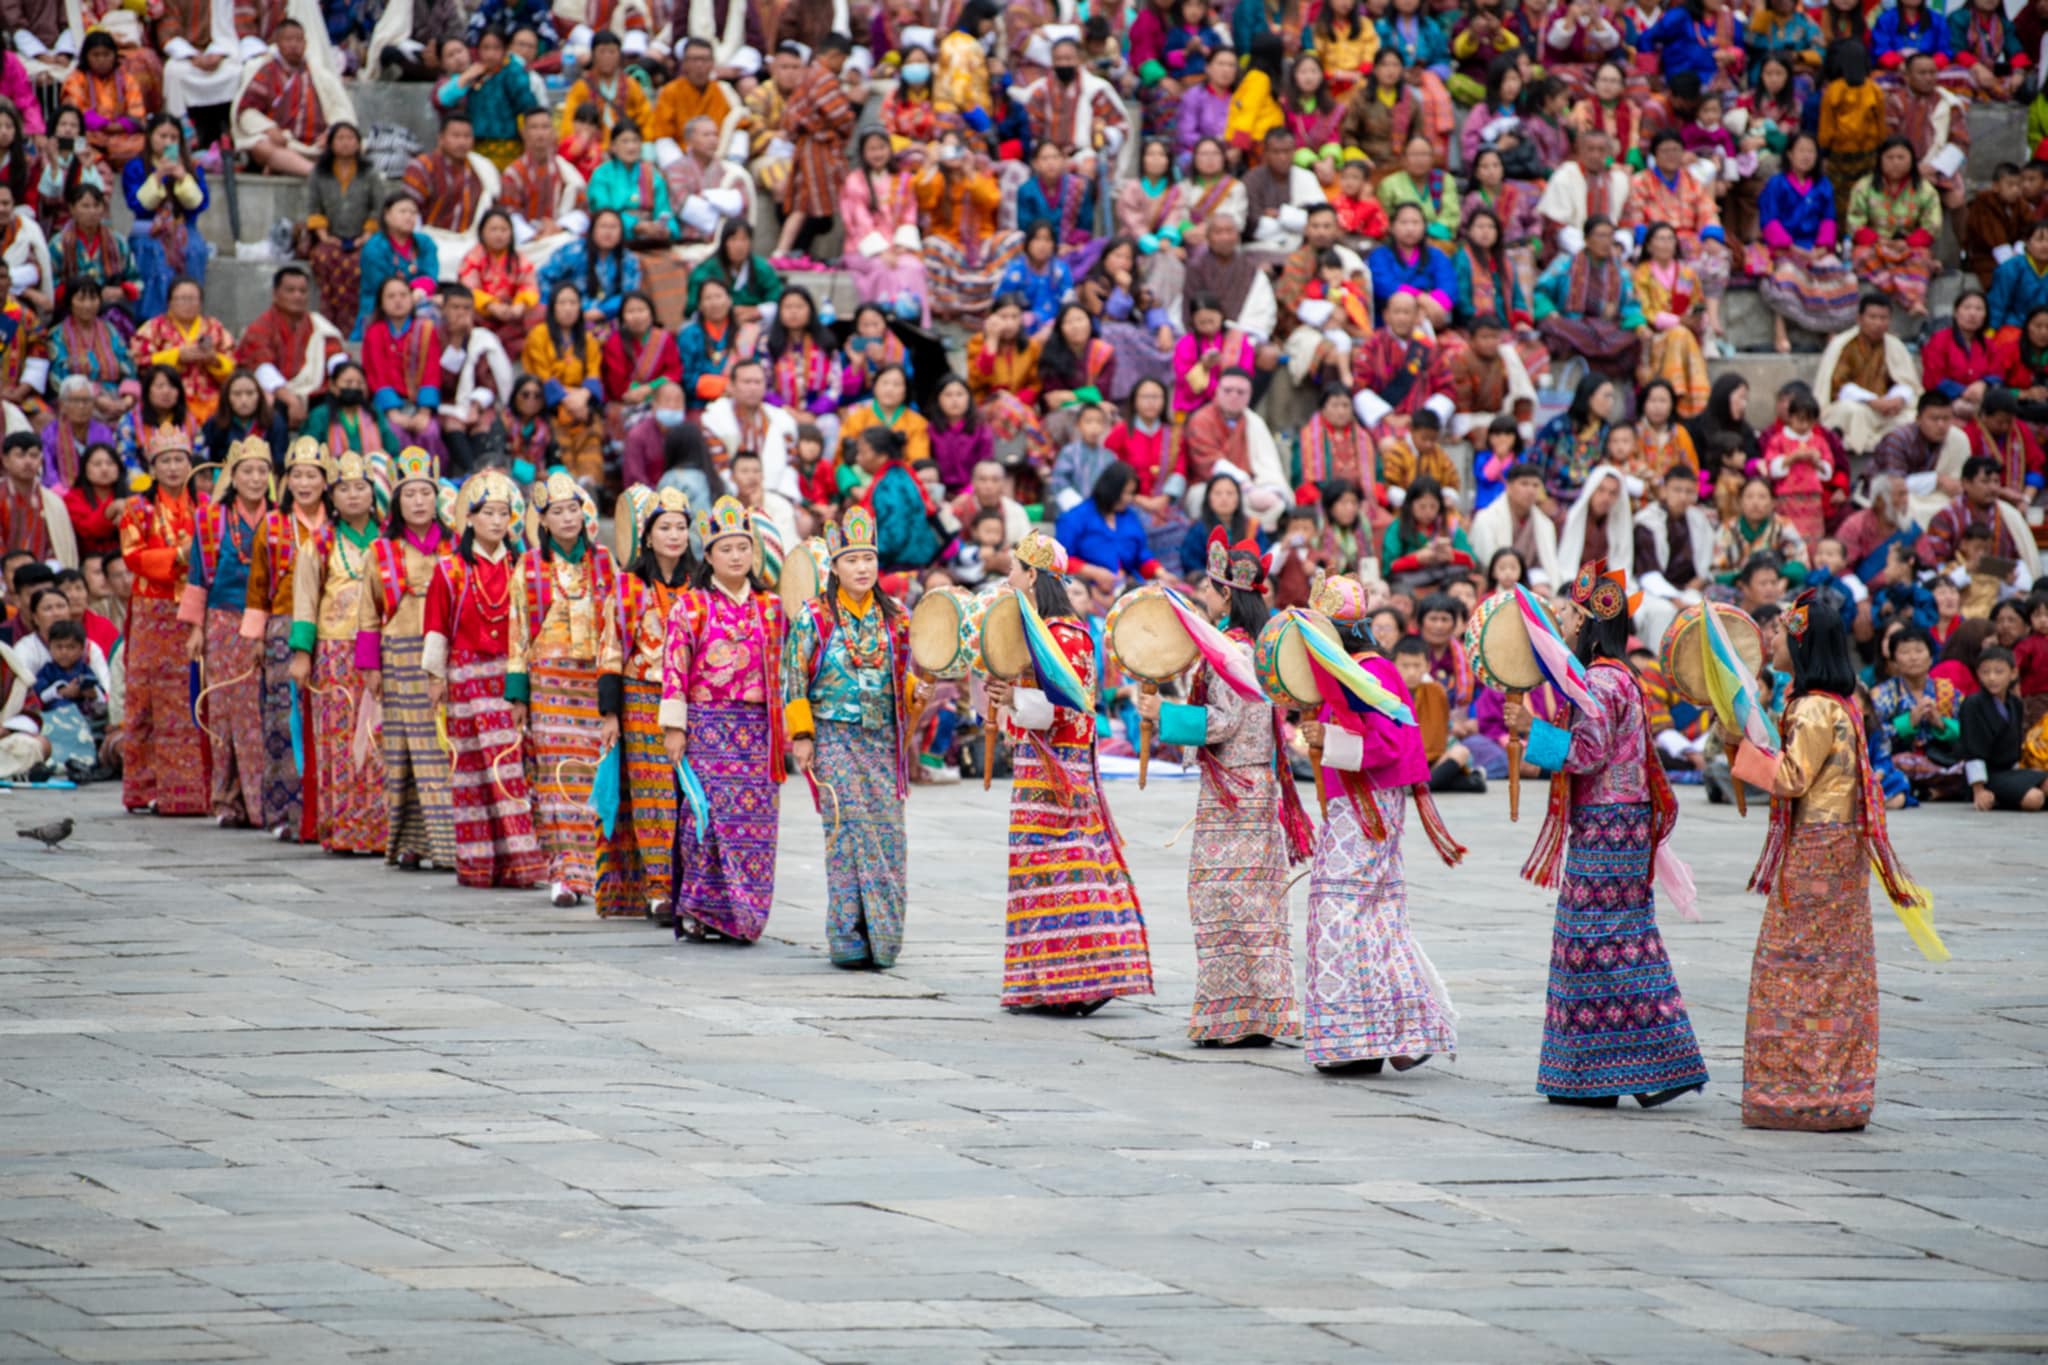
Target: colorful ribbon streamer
1732 688
1356 681
1234 666
1057 678
693 792
1554 658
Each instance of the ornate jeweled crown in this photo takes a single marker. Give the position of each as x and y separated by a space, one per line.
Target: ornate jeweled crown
254 450
351 464
1601 591
1799 618
559 487
853 531
308 451
725 517
1235 566
414 465
1041 551
488 485
165 439
1339 597
657 503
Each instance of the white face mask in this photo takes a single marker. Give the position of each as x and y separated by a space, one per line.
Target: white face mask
668 417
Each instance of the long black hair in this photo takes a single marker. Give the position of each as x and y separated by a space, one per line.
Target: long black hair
645 566
570 343
683 447
178 411
1603 639
1248 610
1049 594
595 256
780 338
1912 163
1821 661
1110 486
325 164
1239 525
701 575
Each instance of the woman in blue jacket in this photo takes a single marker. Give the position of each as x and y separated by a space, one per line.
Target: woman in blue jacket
166 193
1687 39
1104 537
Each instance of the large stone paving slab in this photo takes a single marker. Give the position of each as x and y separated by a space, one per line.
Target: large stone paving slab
260 1103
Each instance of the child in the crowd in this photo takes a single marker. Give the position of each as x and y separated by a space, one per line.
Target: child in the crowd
1297 552
67 679
1993 735
983 556
1490 466
1348 319
1082 460
1451 768
2032 656
1798 463
1359 211
1416 453
1347 536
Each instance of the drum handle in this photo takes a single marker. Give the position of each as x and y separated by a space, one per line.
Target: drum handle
1514 698
1145 729
988 745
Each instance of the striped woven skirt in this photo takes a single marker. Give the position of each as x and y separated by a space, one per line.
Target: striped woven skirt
1073 929
233 713
634 867
726 880
1237 902
350 802
1614 1022
419 823
1892 265
494 843
962 290
1809 1057
864 842
163 753
1372 991
564 721
284 787
1816 297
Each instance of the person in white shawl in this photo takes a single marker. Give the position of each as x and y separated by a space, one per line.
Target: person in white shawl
1854 409
30 276
707 190
474 355
582 20
733 57
298 67
1583 188
1515 518
1599 526
721 422
1671 582
189 86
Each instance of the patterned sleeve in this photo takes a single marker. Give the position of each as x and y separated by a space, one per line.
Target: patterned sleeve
797 652
676 659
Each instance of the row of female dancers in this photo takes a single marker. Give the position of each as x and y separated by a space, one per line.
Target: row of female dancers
452 700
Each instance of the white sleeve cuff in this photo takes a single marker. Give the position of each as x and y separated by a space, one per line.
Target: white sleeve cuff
28 45
1975 772
35 374
251 48
179 50
674 713
874 244
434 655
1657 585
1342 750
1900 391
1031 709
269 378
1443 407
1855 393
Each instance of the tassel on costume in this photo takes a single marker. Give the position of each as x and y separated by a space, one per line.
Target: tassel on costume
1300 830
1359 788
1546 860
1056 771
1447 848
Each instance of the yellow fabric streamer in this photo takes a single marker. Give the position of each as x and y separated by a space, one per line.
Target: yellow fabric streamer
1916 912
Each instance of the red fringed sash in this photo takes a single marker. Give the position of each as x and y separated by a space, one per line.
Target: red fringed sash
1869 814
1546 860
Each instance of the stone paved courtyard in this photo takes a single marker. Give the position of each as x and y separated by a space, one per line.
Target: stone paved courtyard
260 1103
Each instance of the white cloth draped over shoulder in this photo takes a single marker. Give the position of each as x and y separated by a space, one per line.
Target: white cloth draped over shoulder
187 87
453 246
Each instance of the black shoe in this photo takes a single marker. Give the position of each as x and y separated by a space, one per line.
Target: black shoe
1410 1063
1586 1101
1088 1007
1369 1066
1250 1040
1651 1101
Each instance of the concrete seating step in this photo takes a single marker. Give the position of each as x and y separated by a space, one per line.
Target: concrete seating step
1750 328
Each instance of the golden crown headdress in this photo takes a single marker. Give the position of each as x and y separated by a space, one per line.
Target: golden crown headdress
853 531
724 518
414 465
486 486
1340 597
1041 551
307 451
253 449
559 487
165 439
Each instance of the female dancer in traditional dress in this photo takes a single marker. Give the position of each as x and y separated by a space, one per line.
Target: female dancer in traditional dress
289 533
419 822
1614 1021
634 869
1373 995
1074 933
849 728
1249 825
327 587
475 661
226 638
721 714
1809 1057
572 614
163 757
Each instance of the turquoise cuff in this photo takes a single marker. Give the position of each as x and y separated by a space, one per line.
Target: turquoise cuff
1547 746
517 689
1183 724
